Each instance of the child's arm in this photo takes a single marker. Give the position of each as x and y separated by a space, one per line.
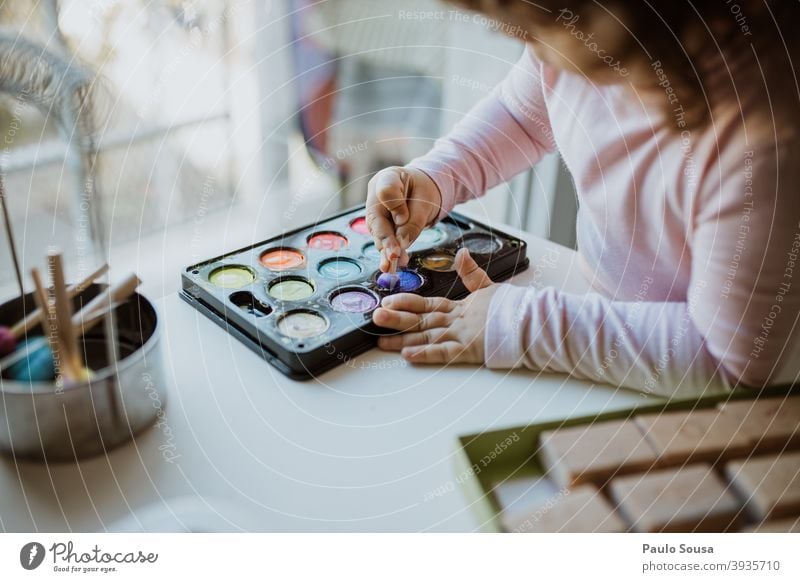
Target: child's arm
743 303
736 326
507 132
651 347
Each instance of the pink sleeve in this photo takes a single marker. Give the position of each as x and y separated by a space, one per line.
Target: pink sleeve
651 347
741 308
506 133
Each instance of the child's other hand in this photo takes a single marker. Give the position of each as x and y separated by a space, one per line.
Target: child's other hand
400 203
436 330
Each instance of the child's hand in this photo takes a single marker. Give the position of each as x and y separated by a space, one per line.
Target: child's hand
437 330
400 203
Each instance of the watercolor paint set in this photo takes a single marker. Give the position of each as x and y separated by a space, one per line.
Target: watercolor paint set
303 300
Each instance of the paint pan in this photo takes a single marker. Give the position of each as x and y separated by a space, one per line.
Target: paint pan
232 276
327 241
359 225
291 288
440 262
282 259
370 251
339 268
407 281
429 238
353 300
302 324
481 244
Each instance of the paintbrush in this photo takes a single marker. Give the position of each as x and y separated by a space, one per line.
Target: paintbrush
11 241
390 279
99 308
84 324
71 360
49 325
108 298
34 360
10 336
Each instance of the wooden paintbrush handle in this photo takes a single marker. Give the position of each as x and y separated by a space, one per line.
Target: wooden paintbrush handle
99 306
35 317
42 301
85 324
50 331
71 359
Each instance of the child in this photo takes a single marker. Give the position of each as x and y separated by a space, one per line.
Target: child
678 125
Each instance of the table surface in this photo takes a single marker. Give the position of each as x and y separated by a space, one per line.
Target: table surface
362 448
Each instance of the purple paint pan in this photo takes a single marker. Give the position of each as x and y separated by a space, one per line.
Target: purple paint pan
353 300
406 281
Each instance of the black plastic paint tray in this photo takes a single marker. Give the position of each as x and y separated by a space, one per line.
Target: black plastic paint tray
303 300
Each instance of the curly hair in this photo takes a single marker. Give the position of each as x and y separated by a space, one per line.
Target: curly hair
694 46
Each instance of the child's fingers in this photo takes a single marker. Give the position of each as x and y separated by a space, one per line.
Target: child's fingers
390 190
471 274
403 260
445 352
391 251
385 264
419 212
417 303
380 220
404 321
380 225
397 342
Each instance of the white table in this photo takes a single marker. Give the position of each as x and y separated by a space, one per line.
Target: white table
355 451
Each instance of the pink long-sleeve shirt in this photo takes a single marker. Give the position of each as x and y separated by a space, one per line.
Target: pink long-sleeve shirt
690 238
